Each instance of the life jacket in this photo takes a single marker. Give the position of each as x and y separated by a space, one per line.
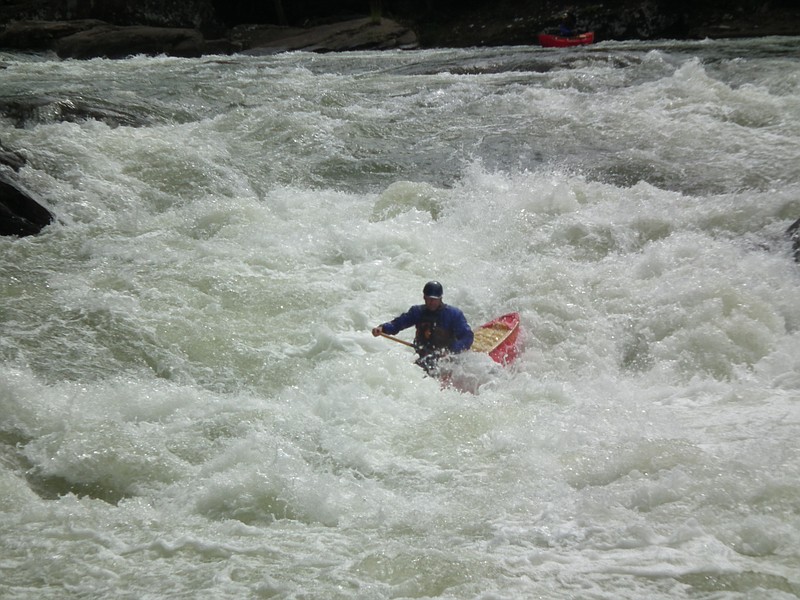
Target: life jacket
430 336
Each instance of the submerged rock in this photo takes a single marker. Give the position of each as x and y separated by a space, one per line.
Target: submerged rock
11 158
20 213
32 110
794 235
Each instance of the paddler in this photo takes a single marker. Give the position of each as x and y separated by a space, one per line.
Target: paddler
441 329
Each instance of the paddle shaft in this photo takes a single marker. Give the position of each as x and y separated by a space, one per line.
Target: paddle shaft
395 339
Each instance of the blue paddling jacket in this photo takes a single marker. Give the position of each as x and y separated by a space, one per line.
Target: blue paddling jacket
443 328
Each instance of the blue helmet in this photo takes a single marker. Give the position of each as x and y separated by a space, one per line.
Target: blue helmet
433 289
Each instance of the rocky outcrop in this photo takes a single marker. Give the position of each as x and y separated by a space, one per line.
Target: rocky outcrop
27 111
92 38
20 212
793 233
354 34
41 35
11 158
110 41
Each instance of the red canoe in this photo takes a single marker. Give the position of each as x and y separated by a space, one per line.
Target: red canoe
549 40
498 338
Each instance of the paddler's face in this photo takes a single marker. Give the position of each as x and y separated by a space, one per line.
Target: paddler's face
432 304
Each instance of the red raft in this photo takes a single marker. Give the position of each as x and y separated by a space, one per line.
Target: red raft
498 338
548 40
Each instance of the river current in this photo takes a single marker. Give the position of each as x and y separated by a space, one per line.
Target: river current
192 405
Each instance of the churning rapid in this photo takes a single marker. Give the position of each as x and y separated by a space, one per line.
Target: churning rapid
192 404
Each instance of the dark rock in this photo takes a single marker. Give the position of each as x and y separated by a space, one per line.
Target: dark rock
90 39
20 213
95 39
355 34
794 235
111 41
32 110
11 158
41 35
221 46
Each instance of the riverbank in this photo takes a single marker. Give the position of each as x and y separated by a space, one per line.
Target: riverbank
508 22
517 22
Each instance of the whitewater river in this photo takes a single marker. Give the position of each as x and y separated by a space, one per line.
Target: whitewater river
192 404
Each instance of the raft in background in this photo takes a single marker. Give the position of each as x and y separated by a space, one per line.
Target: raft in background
549 40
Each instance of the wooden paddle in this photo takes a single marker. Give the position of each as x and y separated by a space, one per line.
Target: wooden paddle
396 339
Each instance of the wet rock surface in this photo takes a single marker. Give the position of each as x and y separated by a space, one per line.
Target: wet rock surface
21 213
98 39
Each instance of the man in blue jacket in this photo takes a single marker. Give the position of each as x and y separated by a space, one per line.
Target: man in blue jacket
441 328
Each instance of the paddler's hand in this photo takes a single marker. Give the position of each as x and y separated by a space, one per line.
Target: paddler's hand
376 331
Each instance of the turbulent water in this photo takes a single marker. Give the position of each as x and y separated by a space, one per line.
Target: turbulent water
192 405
